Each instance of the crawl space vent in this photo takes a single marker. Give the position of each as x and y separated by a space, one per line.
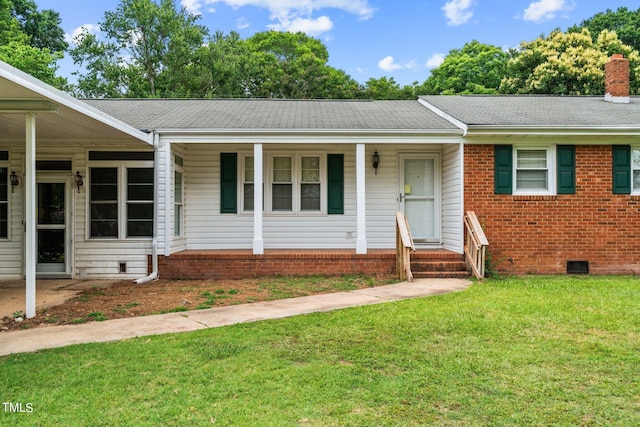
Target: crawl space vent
577 267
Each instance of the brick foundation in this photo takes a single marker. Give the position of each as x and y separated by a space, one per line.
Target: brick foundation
242 264
539 234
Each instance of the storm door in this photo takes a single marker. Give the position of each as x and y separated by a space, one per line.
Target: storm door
420 195
52 227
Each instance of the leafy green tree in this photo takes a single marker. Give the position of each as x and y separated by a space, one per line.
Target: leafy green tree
148 52
566 64
16 50
293 65
42 26
625 22
388 88
476 68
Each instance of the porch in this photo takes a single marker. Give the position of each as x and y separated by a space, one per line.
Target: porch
240 263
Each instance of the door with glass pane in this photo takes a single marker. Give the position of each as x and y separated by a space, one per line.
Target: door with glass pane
51 227
420 196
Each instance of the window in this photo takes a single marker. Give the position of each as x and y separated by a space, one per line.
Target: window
310 184
303 183
121 196
4 203
282 184
139 202
103 202
178 190
635 165
247 184
532 170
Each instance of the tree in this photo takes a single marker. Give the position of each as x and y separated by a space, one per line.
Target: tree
15 49
388 88
293 65
625 22
42 27
476 68
566 64
148 53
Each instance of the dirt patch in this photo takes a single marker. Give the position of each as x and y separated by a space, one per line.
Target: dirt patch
126 299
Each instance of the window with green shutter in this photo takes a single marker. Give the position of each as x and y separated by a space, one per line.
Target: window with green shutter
228 182
566 155
621 155
503 169
335 187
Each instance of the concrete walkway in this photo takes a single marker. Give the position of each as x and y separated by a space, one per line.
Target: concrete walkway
113 330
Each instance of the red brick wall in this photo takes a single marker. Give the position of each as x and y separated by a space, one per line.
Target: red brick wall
229 265
540 234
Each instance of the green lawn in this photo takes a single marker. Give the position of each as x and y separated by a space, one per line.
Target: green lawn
518 351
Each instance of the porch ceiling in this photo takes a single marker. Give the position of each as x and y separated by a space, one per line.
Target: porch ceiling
70 122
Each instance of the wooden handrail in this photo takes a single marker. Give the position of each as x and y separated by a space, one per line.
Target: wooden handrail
404 246
475 245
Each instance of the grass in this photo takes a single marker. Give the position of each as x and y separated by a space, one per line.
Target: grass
517 351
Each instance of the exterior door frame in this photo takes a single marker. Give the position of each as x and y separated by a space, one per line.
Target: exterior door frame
436 239
57 178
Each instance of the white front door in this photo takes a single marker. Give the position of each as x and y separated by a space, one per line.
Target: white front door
52 227
420 195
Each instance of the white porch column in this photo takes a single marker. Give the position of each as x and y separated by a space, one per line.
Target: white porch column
258 196
30 215
361 217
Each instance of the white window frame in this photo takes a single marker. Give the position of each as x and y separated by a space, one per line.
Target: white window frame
178 206
551 171
635 168
122 167
296 179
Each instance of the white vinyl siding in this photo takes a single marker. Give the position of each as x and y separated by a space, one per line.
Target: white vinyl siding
206 229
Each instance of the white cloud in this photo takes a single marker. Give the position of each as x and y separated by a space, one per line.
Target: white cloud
192 6
312 27
458 12
243 23
389 64
544 10
293 15
89 28
435 61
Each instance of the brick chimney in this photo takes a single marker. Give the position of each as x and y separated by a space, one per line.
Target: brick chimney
616 80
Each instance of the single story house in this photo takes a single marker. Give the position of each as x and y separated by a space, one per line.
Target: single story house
133 188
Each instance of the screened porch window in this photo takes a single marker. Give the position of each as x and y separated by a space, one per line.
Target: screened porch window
121 200
310 184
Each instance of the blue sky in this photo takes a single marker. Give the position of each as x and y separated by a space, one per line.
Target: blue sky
402 39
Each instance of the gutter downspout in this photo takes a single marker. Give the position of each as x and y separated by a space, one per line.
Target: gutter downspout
154 243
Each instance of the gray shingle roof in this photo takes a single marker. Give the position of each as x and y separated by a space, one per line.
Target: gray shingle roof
268 114
538 111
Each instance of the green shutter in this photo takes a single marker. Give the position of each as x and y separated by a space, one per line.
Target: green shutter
566 169
621 169
228 183
335 187
503 169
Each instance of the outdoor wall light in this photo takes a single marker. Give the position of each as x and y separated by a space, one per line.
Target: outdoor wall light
79 181
375 160
14 180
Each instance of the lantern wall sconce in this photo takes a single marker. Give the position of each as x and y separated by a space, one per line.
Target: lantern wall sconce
375 160
78 179
14 180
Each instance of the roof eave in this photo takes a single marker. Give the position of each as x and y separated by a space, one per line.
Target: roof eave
520 130
61 98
